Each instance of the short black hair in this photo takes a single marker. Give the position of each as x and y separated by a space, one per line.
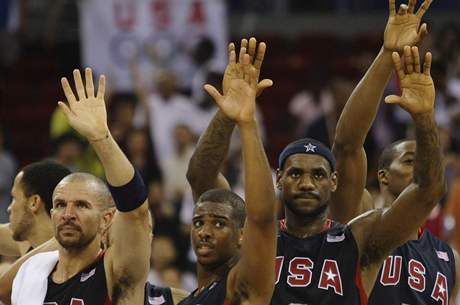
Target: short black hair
388 154
227 197
40 178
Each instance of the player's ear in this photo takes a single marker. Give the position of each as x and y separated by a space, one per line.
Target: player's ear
334 181
240 240
279 173
382 176
34 203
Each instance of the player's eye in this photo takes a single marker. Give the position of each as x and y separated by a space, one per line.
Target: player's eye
318 175
59 204
197 223
295 174
219 224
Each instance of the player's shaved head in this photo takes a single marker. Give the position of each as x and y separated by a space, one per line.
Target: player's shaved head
94 184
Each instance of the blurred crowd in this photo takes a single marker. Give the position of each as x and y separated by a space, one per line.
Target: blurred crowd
158 123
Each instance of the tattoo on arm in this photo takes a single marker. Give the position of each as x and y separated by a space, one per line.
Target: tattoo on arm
428 169
214 144
211 151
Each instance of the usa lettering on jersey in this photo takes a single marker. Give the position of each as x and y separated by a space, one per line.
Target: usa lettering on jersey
300 273
391 276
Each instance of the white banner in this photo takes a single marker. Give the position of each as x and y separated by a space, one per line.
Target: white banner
157 33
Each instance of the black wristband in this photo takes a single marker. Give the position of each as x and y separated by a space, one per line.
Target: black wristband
130 196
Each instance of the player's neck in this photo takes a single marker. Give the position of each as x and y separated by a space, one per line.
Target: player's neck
388 198
208 275
42 231
303 227
73 262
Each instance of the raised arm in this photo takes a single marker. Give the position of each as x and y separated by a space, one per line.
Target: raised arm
131 234
253 277
207 160
385 231
351 199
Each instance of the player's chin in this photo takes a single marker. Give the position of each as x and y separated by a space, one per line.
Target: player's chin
310 207
69 241
208 261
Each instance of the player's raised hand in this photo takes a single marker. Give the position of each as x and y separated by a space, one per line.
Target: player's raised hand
256 57
87 114
403 27
417 86
238 103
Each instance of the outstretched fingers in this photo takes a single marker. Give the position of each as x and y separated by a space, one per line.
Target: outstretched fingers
79 85
397 64
422 32
411 7
392 4
89 82
246 64
214 93
393 99
101 87
260 55
252 48
416 58
231 48
427 63
402 10
65 109
423 8
68 92
239 72
408 60
243 49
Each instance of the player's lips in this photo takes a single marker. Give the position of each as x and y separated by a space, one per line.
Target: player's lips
204 248
68 227
309 195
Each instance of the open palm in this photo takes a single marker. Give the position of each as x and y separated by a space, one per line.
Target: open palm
418 93
238 103
88 114
256 58
403 28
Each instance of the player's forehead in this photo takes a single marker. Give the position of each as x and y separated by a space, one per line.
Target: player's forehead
17 183
405 148
213 209
306 162
75 191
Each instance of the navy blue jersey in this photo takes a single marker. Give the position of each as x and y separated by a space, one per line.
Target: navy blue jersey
322 269
87 287
420 272
155 295
214 294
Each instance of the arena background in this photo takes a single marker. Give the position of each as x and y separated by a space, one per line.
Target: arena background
317 52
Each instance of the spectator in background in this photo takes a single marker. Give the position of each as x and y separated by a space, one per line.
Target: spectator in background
162 263
175 166
323 128
447 42
203 64
312 102
7 173
68 150
453 82
140 152
59 127
62 35
121 113
165 109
